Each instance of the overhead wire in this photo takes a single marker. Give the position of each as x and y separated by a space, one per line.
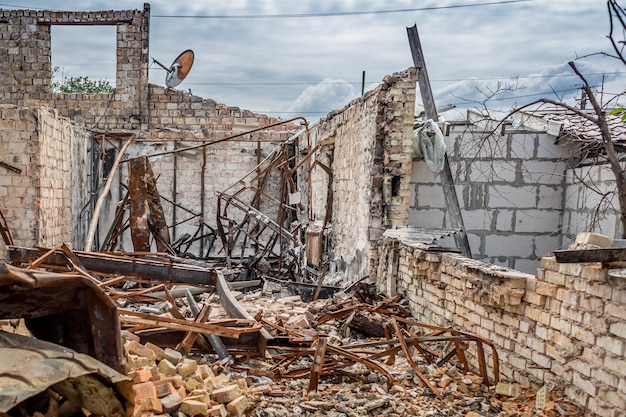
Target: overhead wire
502 78
316 14
334 14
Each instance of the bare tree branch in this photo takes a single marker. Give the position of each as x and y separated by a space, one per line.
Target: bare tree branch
614 7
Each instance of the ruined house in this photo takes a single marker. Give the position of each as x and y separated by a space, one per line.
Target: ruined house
361 208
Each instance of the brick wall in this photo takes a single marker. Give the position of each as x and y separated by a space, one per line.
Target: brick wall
26 73
563 327
160 119
38 201
368 147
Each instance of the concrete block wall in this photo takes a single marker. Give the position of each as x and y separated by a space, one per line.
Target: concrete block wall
594 208
38 201
511 191
563 327
368 147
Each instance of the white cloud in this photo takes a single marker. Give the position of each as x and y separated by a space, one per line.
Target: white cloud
556 82
324 97
265 64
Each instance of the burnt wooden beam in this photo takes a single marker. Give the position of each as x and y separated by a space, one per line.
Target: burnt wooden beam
139 207
145 208
590 255
149 269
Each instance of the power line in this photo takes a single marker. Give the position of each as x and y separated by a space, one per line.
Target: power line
333 14
339 82
466 102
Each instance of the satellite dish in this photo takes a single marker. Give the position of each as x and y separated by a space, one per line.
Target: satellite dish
179 69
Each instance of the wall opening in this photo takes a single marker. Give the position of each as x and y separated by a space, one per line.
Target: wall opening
395 186
83 51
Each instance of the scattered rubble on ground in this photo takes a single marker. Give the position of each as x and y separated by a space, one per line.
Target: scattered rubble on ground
354 354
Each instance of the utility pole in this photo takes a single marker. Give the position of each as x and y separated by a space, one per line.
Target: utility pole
447 182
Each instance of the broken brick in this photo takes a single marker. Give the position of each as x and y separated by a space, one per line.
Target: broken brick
193 407
172 356
237 406
226 394
164 387
218 411
143 390
136 348
186 367
171 402
158 352
167 368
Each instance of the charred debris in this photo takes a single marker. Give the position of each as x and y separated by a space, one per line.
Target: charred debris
261 228
240 324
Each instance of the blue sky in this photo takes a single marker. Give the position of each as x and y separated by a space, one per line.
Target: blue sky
290 66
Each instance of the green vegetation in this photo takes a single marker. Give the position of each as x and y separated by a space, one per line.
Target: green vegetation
80 85
620 111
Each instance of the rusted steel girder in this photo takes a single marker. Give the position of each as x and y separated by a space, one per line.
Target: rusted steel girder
236 310
149 269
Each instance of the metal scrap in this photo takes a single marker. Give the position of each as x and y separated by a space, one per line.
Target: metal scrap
51 365
68 309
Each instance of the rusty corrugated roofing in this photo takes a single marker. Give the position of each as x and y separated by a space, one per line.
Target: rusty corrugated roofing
579 128
29 366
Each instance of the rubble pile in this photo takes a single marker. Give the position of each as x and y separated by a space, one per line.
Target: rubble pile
203 349
164 381
276 386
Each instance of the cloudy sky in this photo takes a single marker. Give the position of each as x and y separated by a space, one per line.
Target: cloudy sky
307 57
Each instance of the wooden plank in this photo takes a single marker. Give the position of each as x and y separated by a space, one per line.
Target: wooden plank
590 255
318 363
190 337
447 182
136 318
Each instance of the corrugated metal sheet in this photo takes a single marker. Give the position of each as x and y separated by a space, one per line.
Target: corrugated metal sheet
29 366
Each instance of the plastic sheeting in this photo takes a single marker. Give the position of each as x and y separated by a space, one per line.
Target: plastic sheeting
428 144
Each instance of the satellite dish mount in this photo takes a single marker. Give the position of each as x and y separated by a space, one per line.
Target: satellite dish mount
179 69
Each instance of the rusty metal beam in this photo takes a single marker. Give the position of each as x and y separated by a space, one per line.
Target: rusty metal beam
409 358
236 310
67 309
149 269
